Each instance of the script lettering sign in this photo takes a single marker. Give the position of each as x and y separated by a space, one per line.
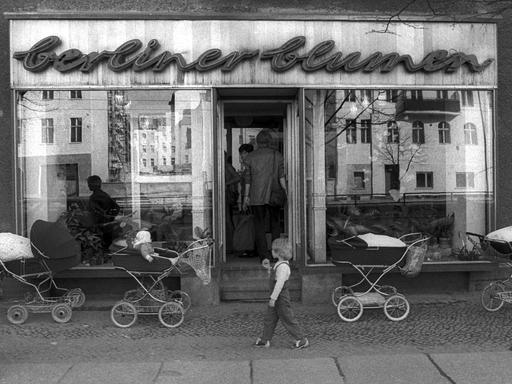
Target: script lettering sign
132 56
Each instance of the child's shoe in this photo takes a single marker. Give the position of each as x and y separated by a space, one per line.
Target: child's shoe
300 344
261 343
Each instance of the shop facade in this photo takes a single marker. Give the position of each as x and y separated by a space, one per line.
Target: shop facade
388 133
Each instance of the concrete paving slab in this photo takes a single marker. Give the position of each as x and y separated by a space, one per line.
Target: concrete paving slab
297 371
390 369
478 367
205 372
32 373
112 373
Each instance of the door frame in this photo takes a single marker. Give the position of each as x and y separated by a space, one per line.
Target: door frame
291 149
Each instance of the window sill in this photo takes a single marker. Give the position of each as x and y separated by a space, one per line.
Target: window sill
98 272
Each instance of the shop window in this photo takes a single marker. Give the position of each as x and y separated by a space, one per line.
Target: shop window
351 131
76 129
120 124
444 132
47 95
366 131
47 131
424 180
470 135
465 179
387 188
75 94
418 132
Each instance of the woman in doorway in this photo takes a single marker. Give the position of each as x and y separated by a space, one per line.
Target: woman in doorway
258 185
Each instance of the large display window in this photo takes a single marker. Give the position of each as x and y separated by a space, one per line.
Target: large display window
392 162
151 150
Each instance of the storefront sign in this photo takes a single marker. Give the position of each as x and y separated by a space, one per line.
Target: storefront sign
323 56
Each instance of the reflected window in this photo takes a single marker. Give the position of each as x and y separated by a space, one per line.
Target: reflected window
359 180
465 179
470 136
418 132
444 132
75 94
424 180
393 133
47 95
366 131
351 131
47 131
76 129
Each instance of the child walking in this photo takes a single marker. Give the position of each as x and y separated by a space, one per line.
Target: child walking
279 305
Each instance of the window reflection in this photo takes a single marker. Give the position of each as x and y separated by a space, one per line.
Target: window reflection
423 163
139 142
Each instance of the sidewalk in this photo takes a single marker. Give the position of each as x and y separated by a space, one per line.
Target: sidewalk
463 368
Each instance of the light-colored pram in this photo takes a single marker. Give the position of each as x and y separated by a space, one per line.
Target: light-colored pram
54 250
374 256
151 297
498 245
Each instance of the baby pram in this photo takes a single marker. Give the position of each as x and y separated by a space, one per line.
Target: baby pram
497 245
54 250
374 256
151 297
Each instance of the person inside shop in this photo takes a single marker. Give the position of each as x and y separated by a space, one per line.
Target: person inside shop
103 209
262 165
243 151
232 181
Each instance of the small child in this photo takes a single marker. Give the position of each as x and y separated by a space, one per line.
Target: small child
279 305
142 242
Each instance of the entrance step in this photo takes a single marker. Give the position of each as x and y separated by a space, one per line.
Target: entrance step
251 283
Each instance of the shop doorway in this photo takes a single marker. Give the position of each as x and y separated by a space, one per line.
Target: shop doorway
243 115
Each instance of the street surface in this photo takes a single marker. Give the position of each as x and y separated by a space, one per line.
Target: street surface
222 336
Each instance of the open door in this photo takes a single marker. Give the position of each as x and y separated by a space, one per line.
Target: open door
241 115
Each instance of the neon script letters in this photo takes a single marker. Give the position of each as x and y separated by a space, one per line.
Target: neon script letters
128 55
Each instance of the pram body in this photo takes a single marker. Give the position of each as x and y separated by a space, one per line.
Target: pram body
54 250
499 292
378 255
367 249
151 297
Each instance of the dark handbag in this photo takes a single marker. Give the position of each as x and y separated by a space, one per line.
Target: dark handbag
277 193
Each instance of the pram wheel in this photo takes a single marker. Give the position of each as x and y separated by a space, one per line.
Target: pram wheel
339 292
396 308
17 314
490 298
123 314
181 297
350 308
171 314
61 313
77 297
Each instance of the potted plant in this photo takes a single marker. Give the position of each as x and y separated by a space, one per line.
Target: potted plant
442 230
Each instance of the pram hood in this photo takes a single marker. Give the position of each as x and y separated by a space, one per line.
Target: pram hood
373 240
53 240
503 234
